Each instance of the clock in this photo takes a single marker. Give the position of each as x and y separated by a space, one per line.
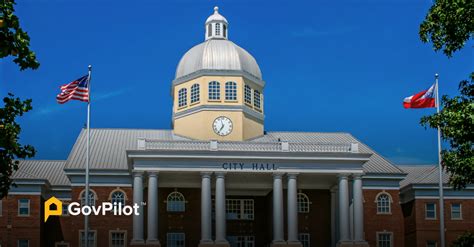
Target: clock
222 126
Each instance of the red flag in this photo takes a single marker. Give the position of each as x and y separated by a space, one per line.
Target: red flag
424 99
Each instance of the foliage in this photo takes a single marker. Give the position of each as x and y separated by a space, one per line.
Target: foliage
456 122
448 25
10 148
13 40
465 240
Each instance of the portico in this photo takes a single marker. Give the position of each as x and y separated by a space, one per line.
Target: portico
278 175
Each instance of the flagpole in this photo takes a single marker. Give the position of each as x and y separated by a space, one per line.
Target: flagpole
86 217
440 169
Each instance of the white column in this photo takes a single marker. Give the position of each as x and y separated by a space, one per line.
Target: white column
333 216
292 209
278 208
138 199
358 209
220 209
206 210
344 226
152 204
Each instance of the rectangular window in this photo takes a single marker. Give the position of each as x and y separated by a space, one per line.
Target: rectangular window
256 99
431 243
304 239
214 90
248 95
456 211
175 239
65 206
239 209
23 243
384 239
118 238
91 238
430 211
241 241
24 207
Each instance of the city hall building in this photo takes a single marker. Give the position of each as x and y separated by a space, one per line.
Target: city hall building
217 178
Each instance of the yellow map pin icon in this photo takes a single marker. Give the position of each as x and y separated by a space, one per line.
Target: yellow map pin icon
47 208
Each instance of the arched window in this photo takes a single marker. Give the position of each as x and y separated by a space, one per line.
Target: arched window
175 202
256 99
92 198
303 203
224 31
248 95
209 30
182 97
230 90
117 196
214 90
218 29
384 201
194 93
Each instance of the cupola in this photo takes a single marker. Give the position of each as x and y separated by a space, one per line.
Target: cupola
216 26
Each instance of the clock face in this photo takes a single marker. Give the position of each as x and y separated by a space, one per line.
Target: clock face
222 126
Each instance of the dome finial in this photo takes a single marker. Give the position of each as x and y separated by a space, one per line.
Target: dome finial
216 10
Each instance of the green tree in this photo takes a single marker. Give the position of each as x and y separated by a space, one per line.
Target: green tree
10 148
13 40
465 240
456 122
449 24
16 43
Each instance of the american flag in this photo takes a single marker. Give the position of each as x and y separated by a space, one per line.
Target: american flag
75 90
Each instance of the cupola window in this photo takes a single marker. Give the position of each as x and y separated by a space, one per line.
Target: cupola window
256 99
214 90
248 95
182 97
224 31
218 29
230 90
209 30
194 93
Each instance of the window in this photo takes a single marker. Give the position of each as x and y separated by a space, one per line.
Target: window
248 95
194 93
91 238
218 29
230 90
383 201
384 239
303 203
175 202
241 241
430 211
117 196
209 30
182 97
431 243
256 99
175 239
92 198
214 90
304 239
23 243
456 211
224 32
118 238
24 207
239 209
65 211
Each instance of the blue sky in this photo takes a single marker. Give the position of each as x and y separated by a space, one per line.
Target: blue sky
330 66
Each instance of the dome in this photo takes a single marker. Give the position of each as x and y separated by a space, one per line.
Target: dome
216 16
218 55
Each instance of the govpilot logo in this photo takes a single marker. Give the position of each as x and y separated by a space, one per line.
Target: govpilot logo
54 207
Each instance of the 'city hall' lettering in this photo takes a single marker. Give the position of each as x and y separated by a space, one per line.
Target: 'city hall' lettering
252 166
